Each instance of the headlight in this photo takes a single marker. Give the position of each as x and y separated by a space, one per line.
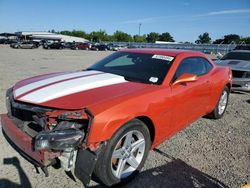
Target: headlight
58 140
247 85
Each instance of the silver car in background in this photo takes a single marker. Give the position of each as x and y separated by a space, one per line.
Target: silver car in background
239 61
24 45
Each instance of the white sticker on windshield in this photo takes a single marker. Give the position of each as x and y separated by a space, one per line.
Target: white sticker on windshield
153 79
163 57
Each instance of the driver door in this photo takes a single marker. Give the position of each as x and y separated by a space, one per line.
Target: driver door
190 99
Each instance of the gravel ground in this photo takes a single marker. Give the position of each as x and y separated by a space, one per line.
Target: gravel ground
206 154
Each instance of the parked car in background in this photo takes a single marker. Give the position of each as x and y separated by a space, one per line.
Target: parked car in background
68 45
94 46
133 46
105 119
102 47
36 43
54 45
3 41
7 41
115 48
242 47
118 47
81 46
24 45
239 62
110 46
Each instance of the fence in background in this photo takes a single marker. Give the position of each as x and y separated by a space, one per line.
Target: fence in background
205 48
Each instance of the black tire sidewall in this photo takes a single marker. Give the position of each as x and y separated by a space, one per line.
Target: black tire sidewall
104 171
216 110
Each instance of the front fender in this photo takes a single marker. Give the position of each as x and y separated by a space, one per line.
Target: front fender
154 105
107 123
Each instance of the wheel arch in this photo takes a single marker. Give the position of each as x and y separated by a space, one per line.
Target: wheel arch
229 86
150 125
112 127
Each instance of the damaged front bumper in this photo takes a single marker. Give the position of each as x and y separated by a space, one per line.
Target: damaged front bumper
44 135
23 143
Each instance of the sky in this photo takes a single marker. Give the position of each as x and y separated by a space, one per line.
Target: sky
185 20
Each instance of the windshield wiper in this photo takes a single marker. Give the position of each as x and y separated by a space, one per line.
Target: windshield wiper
88 69
135 80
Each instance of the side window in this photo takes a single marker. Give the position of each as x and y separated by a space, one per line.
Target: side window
208 65
193 65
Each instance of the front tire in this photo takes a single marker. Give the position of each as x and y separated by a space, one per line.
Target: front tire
221 105
124 155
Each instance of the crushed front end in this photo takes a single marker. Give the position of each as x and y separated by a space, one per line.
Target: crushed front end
44 135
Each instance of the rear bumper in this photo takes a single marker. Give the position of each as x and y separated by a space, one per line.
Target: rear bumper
22 143
241 84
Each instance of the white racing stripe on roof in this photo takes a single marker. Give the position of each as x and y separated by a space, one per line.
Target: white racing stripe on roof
72 86
34 85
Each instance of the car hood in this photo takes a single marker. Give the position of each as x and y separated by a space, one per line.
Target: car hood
73 90
235 64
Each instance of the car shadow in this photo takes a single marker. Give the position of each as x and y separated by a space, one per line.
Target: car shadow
248 101
24 181
175 173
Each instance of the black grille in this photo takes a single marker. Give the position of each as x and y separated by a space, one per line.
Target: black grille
21 114
247 75
238 74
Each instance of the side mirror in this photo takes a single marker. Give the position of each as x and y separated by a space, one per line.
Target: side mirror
185 78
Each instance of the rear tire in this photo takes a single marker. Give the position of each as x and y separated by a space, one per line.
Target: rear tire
221 105
124 155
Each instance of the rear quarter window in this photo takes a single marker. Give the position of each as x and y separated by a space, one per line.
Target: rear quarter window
207 64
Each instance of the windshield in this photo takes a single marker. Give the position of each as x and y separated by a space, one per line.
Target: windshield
137 67
237 55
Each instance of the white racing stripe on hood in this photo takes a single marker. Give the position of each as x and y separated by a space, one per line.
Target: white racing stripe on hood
34 85
72 86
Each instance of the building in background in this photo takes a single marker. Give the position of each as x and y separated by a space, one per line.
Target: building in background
38 36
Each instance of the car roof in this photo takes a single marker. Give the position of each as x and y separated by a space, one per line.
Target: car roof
169 52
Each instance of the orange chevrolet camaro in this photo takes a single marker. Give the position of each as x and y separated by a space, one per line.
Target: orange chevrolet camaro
103 121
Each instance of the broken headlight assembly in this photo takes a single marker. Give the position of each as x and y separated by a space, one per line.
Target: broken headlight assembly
59 139
66 132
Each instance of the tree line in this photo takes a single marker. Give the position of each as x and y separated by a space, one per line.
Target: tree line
120 36
227 39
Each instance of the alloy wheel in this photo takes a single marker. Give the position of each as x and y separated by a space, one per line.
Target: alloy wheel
128 154
222 102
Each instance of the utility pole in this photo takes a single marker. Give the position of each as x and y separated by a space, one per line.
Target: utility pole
139 29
